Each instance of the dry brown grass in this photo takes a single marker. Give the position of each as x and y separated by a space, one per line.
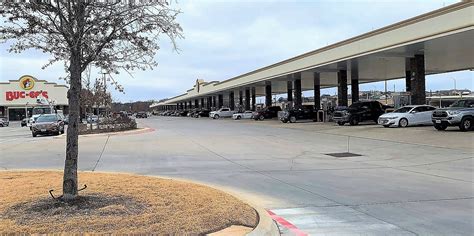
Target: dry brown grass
116 203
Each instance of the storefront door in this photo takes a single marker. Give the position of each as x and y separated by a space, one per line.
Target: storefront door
16 114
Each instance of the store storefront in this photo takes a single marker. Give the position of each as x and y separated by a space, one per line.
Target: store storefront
23 97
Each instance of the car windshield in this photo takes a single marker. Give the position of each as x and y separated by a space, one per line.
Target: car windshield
462 103
46 118
41 110
403 110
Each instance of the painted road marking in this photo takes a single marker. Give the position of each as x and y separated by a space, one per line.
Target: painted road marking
281 221
332 220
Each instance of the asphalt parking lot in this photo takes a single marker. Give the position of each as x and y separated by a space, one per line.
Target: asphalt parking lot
411 181
16 134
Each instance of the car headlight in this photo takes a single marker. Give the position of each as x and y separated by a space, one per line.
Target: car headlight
453 112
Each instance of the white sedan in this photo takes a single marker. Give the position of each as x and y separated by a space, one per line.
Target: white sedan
243 115
407 116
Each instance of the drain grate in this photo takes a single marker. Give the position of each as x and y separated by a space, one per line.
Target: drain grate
343 154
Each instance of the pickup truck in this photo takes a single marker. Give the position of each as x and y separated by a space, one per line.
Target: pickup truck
223 112
460 113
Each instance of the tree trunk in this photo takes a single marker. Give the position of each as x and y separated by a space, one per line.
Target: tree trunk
72 147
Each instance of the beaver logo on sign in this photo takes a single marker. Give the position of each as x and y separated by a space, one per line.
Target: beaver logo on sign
27 82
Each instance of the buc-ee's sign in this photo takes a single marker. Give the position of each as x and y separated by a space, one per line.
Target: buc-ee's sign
27 83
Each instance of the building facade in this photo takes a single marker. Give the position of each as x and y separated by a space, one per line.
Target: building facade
19 97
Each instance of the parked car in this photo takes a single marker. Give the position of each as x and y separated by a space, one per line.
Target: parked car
24 122
183 113
359 111
407 116
223 112
267 113
141 114
192 112
202 113
460 113
243 115
305 112
4 122
92 119
48 124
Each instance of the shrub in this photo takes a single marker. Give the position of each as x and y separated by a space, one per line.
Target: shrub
109 124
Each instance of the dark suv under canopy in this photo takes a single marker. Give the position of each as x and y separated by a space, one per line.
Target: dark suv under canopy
359 111
267 113
305 112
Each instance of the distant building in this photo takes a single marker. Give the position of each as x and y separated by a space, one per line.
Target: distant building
19 97
131 106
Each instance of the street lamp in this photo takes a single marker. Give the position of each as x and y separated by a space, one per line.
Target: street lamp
455 92
26 110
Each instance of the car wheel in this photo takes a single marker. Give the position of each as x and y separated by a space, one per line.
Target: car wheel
238 117
354 121
261 117
403 122
62 131
34 134
216 116
441 126
466 124
292 119
340 123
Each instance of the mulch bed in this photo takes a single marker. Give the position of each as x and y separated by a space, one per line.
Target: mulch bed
116 203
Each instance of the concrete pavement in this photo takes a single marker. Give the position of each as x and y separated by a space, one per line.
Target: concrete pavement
413 181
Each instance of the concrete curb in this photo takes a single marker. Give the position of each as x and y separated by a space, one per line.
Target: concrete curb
128 132
266 226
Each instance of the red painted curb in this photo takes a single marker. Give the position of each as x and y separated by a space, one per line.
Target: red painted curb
286 224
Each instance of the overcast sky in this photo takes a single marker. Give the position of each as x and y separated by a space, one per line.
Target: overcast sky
224 39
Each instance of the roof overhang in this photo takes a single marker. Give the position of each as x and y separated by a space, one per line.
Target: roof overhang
443 36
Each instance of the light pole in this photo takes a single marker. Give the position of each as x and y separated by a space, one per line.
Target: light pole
455 92
26 110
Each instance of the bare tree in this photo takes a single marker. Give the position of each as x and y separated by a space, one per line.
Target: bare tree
102 98
111 35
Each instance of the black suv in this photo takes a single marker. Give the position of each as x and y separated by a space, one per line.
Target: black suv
359 111
305 112
141 114
267 113
201 113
